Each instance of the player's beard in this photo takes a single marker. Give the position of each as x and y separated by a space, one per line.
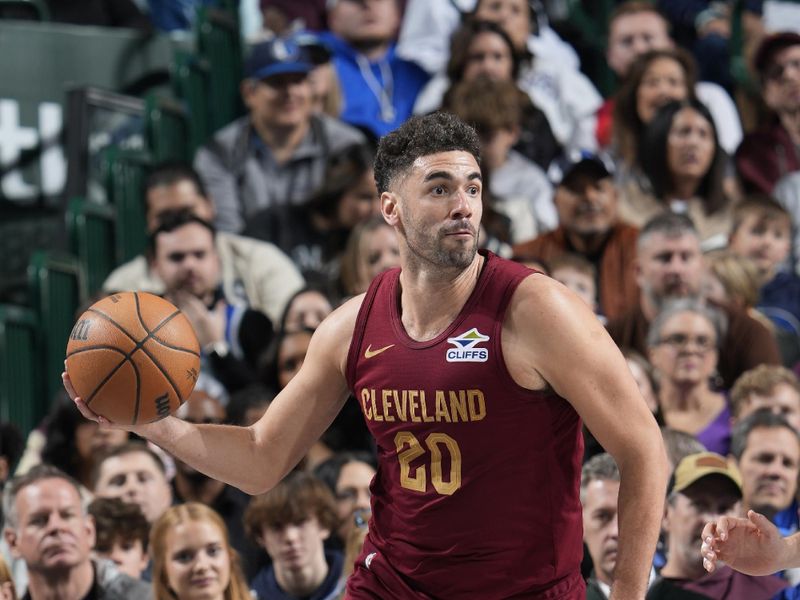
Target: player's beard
432 248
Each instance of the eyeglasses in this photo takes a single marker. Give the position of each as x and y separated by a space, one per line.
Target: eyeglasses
680 341
776 70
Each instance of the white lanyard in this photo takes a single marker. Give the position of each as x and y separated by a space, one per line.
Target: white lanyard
383 93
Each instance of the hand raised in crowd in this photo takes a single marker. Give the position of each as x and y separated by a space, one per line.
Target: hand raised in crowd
209 325
751 545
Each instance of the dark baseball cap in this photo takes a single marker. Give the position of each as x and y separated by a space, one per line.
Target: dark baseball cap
277 57
569 168
771 45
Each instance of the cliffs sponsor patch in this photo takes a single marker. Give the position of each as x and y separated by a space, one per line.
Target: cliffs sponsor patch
466 349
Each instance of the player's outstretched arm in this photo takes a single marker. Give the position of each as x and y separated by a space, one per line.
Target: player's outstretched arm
256 458
567 346
752 545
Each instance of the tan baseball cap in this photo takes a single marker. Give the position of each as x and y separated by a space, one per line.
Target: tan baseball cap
696 466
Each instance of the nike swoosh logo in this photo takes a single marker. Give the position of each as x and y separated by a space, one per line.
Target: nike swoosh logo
369 352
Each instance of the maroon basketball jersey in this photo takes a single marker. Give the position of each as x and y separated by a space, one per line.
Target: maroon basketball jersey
477 490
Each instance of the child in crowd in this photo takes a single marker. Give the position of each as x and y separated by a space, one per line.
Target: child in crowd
121 534
578 274
762 232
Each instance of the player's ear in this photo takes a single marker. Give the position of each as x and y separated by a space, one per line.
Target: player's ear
389 208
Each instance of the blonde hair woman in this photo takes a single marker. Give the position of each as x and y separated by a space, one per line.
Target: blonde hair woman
192 556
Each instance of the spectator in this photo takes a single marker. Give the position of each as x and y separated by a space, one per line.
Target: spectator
348 475
190 485
314 235
787 192
655 78
564 94
277 153
679 445
231 336
768 387
767 453
7 589
253 272
669 264
291 522
371 249
636 27
519 188
683 343
11 446
480 50
643 374
586 201
248 405
121 534
762 233
770 152
704 485
193 558
74 444
306 310
734 281
684 166
379 87
599 498
136 474
428 25
578 274
284 16
47 526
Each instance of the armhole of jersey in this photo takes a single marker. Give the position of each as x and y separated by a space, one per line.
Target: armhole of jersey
511 288
358 332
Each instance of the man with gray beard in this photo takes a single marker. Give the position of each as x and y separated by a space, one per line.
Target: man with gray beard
669 265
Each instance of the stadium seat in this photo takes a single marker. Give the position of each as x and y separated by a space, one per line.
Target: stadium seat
166 128
55 281
21 398
24 10
191 79
90 227
123 174
219 42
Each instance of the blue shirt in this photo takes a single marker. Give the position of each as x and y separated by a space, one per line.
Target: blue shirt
378 95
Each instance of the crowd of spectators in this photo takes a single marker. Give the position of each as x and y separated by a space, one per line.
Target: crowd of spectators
671 207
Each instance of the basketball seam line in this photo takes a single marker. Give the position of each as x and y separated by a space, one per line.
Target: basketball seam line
176 348
150 334
138 346
163 343
138 393
97 347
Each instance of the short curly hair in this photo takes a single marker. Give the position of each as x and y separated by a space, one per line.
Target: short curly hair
118 521
422 136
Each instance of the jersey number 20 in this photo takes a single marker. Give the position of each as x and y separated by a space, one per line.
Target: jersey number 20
409 449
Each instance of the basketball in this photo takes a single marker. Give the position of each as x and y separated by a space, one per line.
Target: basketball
133 358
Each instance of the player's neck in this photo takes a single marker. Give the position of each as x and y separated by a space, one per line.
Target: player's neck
431 299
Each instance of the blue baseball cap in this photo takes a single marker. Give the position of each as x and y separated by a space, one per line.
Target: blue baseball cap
567 168
276 57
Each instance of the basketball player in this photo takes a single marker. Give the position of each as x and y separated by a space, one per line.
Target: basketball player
473 374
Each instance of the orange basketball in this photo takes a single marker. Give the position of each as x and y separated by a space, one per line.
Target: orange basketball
133 358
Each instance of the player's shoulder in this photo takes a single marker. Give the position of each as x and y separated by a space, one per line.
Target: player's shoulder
340 324
543 300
